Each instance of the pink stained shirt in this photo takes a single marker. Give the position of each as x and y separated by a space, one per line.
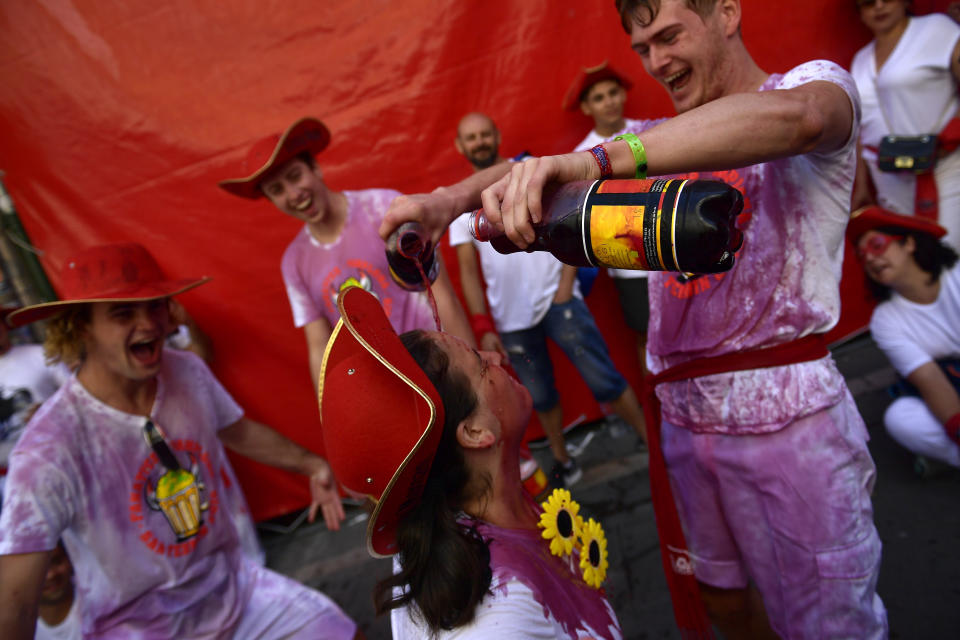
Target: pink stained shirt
785 285
83 471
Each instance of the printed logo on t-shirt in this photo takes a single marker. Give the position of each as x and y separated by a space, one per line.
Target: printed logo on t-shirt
365 276
180 494
683 286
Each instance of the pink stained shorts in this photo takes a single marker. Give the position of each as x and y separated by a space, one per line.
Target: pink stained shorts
789 510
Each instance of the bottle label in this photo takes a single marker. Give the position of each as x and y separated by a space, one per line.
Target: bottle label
628 228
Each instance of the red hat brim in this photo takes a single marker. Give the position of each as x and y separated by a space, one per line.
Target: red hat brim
874 217
142 293
382 417
306 134
589 76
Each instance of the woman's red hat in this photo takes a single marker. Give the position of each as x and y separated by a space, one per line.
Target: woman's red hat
382 417
306 134
107 273
875 217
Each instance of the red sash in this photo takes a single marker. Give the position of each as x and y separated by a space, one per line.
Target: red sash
688 609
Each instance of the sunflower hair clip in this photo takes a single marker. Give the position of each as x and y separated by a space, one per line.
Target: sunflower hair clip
565 529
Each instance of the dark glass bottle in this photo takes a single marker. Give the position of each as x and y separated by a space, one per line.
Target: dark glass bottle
652 225
411 257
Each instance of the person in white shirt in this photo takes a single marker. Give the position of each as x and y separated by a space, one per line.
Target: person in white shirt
907 78
438 456
917 325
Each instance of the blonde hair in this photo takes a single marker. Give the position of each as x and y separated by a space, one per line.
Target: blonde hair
64 336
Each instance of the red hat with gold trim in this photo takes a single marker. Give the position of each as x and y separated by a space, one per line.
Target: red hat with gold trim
874 217
589 76
306 134
382 417
107 273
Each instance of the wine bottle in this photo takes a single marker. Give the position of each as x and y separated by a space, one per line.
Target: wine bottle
652 225
411 257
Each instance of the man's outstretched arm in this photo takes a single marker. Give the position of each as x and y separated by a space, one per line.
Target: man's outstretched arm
436 210
263 444
727 133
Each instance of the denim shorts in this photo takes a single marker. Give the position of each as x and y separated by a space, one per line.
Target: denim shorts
571 326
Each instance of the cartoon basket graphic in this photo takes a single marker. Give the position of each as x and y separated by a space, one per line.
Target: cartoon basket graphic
178 496
178 491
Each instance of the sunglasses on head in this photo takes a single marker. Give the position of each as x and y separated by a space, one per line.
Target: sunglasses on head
875 245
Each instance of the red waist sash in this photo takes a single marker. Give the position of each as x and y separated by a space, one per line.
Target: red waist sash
688 609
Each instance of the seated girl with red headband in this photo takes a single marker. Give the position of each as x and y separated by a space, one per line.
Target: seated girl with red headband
430 429
916 279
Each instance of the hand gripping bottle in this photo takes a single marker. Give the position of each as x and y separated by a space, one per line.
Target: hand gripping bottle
411 257
652 225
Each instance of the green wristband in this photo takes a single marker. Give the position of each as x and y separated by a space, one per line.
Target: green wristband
639 153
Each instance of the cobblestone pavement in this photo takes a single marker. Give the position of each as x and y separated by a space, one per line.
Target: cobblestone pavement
918 519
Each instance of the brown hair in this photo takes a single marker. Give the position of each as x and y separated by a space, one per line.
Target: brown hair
64 336
644 12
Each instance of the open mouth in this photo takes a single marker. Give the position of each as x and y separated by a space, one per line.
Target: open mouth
303 206
678 80
146 352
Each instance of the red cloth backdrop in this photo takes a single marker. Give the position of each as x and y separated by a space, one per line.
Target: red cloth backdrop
118 119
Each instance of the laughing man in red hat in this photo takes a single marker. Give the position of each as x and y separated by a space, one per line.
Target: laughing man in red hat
338 245
126 463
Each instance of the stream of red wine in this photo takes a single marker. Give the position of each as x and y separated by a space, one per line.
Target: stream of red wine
429 290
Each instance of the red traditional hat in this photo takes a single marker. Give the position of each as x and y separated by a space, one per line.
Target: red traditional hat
589 76
306 134
108 273
874 217
382 417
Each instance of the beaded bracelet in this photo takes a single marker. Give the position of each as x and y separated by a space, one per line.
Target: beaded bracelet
639 153
603 161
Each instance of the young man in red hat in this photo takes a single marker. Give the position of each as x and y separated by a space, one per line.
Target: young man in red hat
126 463
914 276
338 245
601 92
763 447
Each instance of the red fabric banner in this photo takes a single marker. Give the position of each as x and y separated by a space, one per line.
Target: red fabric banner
119 118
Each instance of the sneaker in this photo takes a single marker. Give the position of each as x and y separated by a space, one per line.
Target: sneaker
564 475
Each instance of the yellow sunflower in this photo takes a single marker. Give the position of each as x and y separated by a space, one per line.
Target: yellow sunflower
560 523
593 554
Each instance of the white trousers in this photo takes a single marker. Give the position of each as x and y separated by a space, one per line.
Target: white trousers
909 422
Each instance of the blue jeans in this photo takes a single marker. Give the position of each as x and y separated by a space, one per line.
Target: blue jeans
571 326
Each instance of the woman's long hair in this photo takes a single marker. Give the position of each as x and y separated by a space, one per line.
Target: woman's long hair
445 566
930 254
